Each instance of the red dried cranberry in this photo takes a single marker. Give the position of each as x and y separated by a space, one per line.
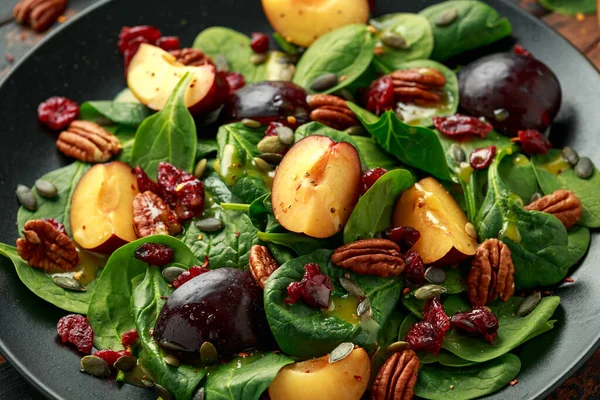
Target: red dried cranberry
428 334
421 337
414 268
168 43
235 80
259 42
145 183
193 272
128 338
483 157
379 97
76 329
480 321
370 177
111 356
461 126
56 224
405 236
520 50
533 142
181 191
154 254
58 112
127 34
314 288
434 314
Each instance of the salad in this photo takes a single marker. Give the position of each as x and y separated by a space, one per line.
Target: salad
353 215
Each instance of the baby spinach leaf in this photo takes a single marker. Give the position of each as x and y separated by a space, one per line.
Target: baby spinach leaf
570 7
414 305
346 51
407 323
205 148
127 114
388 334
413 145
169 135
244 378
476 25
437 382
235 47
517 172
261 214
299 243
455 280
373 212
444 358
579 241
108 312
373 154
315 128
126 136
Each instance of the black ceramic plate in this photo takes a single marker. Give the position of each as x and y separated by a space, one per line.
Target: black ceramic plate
81 61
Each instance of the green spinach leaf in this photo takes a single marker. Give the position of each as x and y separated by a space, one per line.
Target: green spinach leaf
127 114
570 7
517 172
579 241
126 136
299 243
261 214
205 148
373 154
315 128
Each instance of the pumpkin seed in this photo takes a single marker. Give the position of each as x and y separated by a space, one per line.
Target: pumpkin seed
394 40
125 363
397 347
356 130
270 144
258 58
331 307
529 304
199 395
351 287
162 392
272 158
147 383
46 188
208 353
95 366
569 154
68 283
429 292
262 164
221 63
200 168
169 274
435 275
364 309
285 134
501 114
447 17
171 346
470 229
209 224
250 123
341 352
345 94
535 197
26 197
458 154
324 82
171 360
584 168
286 73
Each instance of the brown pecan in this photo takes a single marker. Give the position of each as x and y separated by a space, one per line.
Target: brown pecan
152 216
492 273
39 14
563 204
262 264
332 111
380 257
418 85
192 57
46 247
397 377
88 142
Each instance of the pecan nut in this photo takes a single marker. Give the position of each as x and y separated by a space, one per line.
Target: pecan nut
419 85
563 204
88 142
39 14
397 377
152 216
45 247
262 264
492 274
332 111
380 257
191 57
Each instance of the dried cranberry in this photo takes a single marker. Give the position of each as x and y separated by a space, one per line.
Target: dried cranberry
181 191
145 183
405 236
483 157
168 43
520 50
414 267
421 337
533 142
379 97
154 254
193 272
428 334
480 321
461 126
127 34
128 338
434 314
111 356
59 226
235 80
314 288
58 112
76 329
259 42
370 177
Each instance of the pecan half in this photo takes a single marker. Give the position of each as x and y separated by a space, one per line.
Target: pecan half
192 57
46 247
380 257
563 204
39 14
332 111
397 377
492 273
419 85
262 264
152 216
88 142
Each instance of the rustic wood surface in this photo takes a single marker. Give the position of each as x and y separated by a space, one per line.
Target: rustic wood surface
582 31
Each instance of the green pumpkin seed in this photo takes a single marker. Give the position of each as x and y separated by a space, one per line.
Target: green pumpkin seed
364 309
270 144
394 40
258 58
250 123
471 231
324 82
286 73
398 347
171 360
272 158
95 366
535 197
171 346
356 130
208 353
285 134
458 154
351 287
200 168
584 168
331 306
501 114
162 392
125 363
569 154
447 17
199 395
435 275
341 352
68 283
262 164
46 188
169 274
26 197
221 63
209 224
429 292
529 304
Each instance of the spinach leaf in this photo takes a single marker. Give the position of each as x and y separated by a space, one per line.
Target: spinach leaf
388 334
579 241
407 323
374 155
304 332
455 280
169 135
205 148
235 47
261 214
444 358
570 7
373 212
517 172
126 136
44 287
299 243
127 114
537 241
315 128
346 51
108 311
476 25
244 378
414 305
413 28
587 190
413 145
437 382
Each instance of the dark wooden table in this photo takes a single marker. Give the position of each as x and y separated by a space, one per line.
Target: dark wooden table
582 31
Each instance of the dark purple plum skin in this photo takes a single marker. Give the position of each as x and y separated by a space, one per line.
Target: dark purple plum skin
223 306
521 85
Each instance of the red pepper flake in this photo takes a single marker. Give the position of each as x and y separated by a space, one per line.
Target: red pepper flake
243 355
9 57
406 291
520 50
569 280
482 158
237 234
358 378
459 126
514 382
